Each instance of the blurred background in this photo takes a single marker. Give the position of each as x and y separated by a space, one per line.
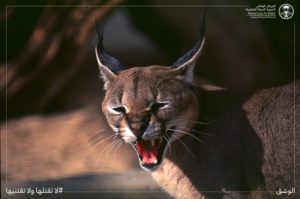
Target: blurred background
52 130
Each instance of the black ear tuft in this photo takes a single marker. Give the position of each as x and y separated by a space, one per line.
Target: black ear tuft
103 57
197 47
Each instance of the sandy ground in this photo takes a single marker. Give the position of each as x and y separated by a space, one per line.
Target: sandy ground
132 184
71 150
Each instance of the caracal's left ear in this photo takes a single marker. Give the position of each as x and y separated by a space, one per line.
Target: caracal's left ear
184 66
108 65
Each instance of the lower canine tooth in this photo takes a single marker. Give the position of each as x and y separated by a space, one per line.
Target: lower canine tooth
153 142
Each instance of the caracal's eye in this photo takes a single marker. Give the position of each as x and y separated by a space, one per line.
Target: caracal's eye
155 106
120 109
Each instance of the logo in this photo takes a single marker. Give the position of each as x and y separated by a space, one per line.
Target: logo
286 11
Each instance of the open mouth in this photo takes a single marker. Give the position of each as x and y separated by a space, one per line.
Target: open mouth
151 152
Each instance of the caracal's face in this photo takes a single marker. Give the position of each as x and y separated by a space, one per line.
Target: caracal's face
149 107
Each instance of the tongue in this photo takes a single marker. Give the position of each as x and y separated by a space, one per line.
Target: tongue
147 151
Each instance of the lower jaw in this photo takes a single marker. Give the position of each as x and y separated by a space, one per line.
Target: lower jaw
150 168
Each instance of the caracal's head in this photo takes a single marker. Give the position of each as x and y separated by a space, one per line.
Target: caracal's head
149 107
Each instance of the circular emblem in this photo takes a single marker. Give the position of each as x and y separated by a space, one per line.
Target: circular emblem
286 11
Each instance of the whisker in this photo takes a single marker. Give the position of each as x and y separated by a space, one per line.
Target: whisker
96 139
96 136
95 145
168 142
115 142
107 137
187 148
107 147
187 134
200 122
195 122
193 130
193 112
119 144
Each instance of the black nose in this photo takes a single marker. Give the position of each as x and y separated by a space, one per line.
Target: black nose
138 127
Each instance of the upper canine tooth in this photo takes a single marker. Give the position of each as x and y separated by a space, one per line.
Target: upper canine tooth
153 142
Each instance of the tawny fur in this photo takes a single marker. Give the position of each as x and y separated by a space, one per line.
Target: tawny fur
248 150
252 150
